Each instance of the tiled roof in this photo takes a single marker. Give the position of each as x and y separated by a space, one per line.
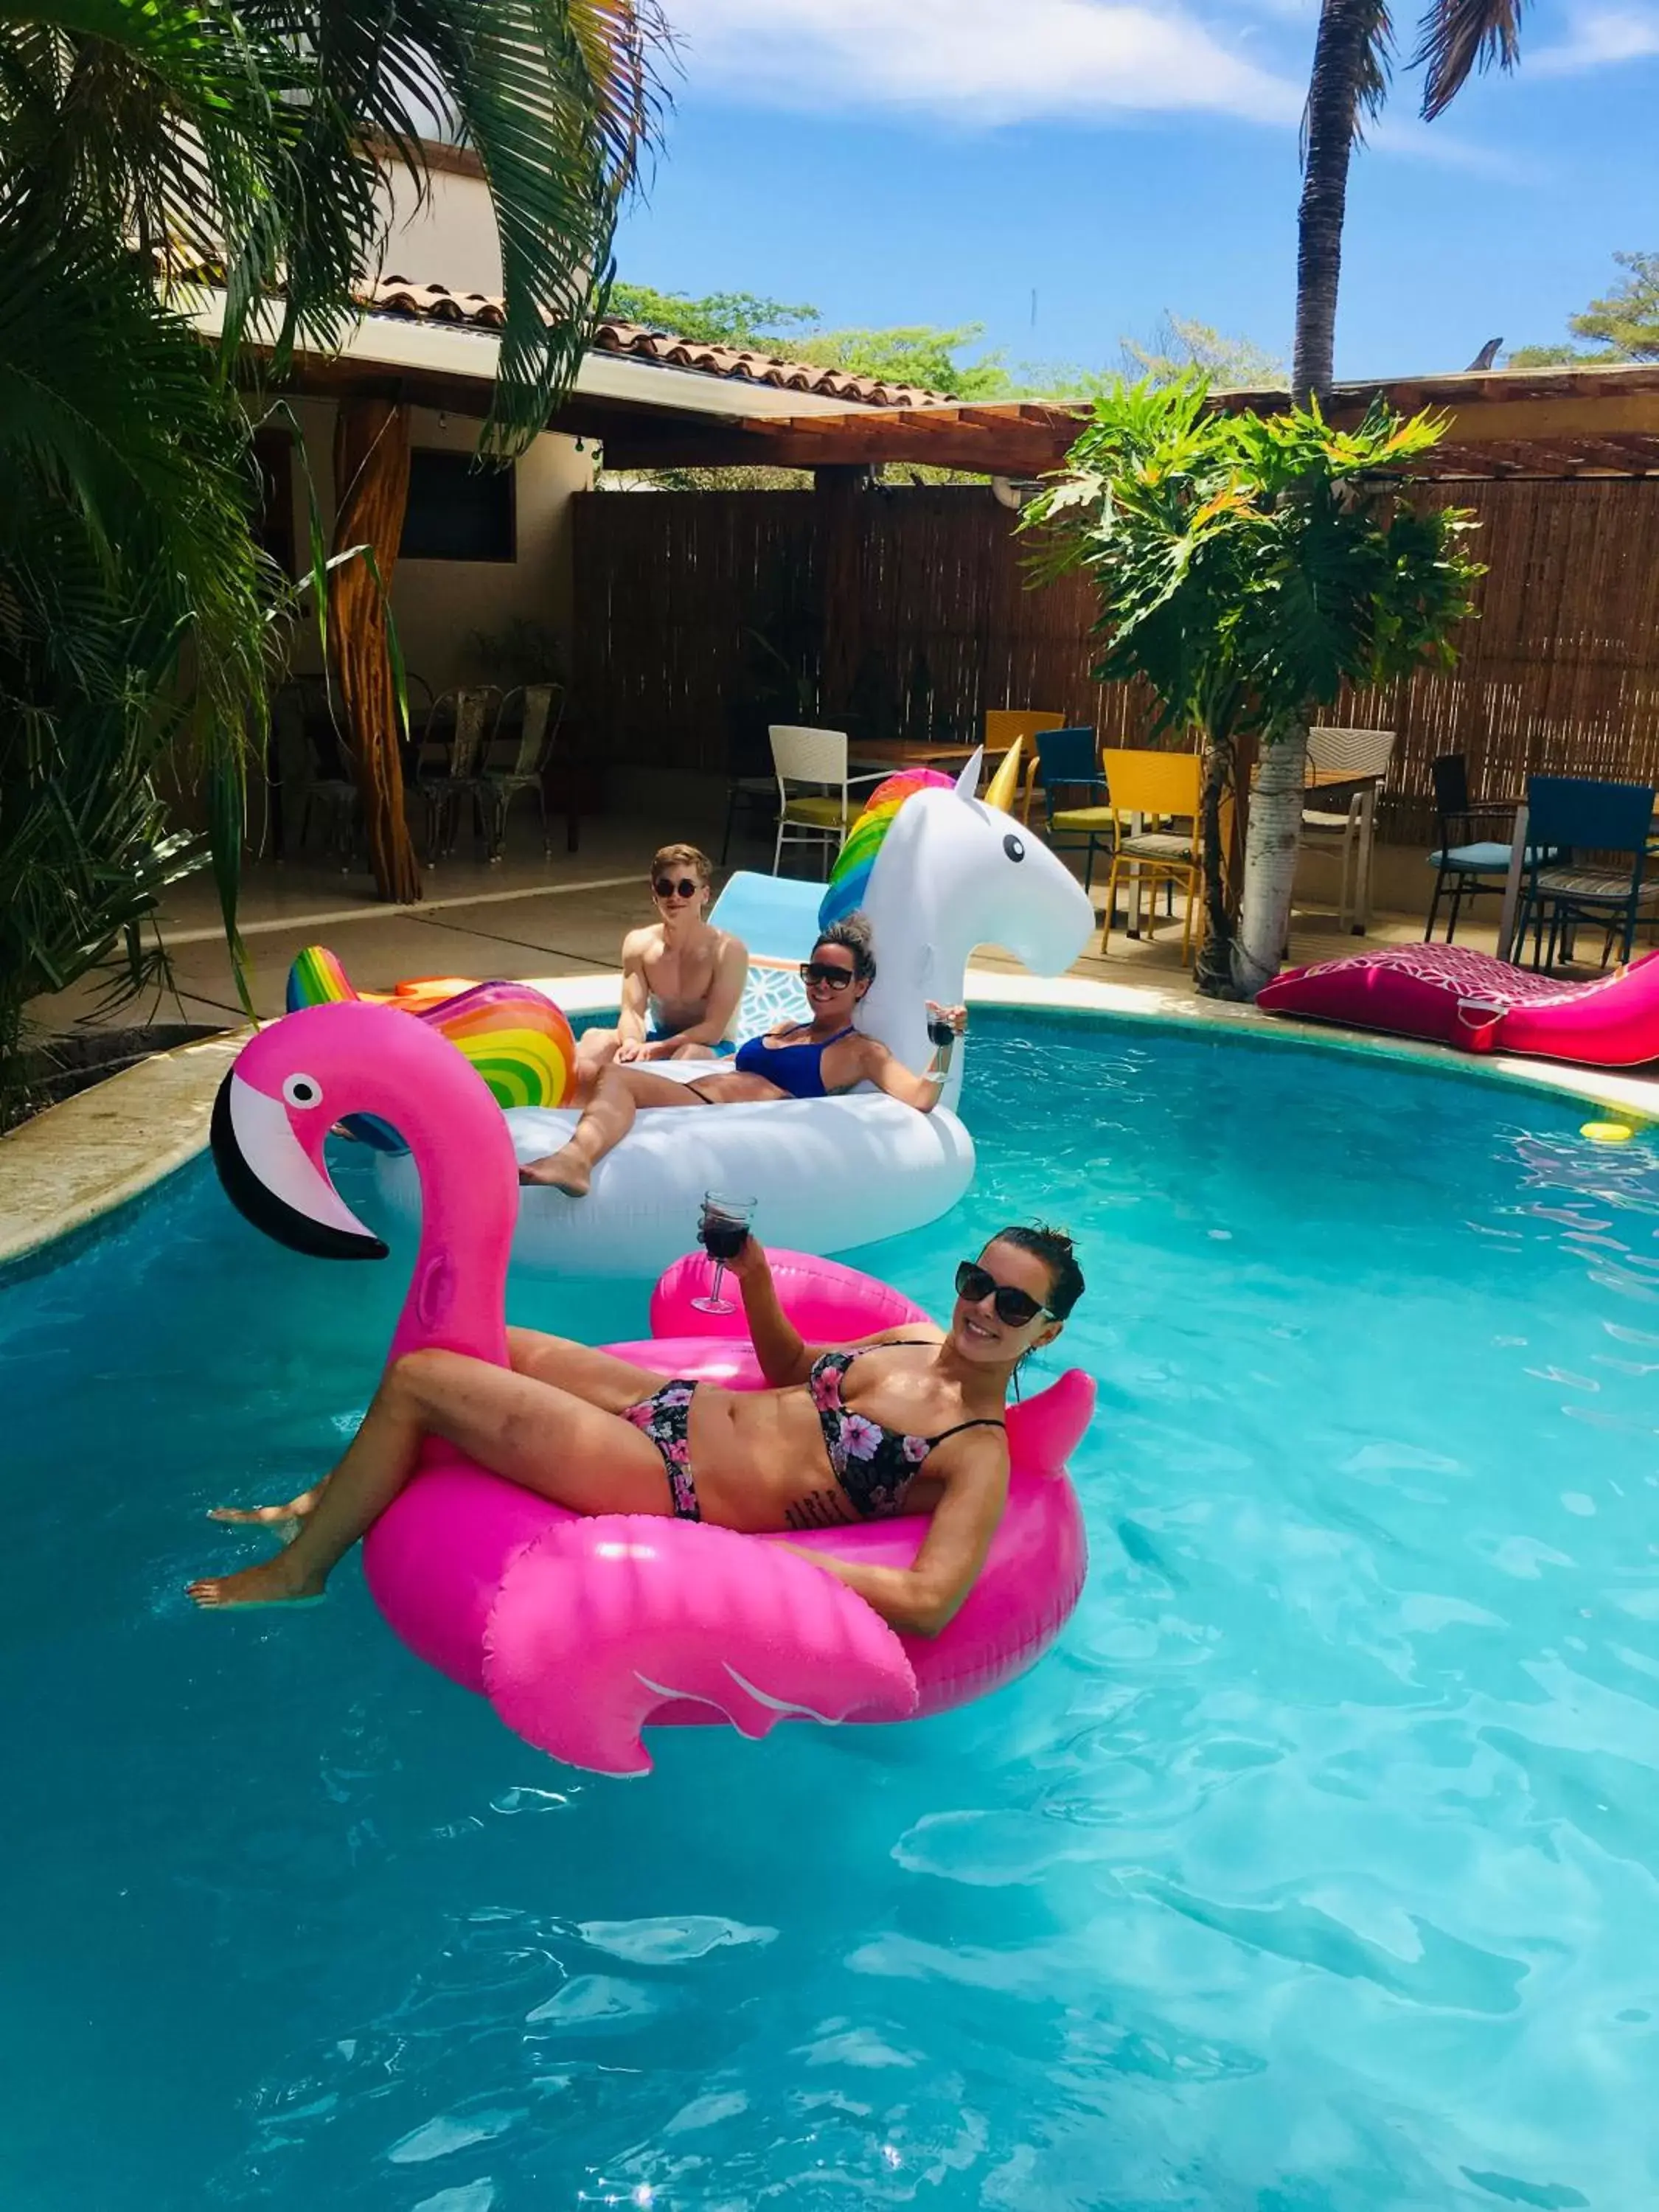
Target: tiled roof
484 311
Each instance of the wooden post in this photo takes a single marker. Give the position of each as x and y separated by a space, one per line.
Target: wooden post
370 489
836 493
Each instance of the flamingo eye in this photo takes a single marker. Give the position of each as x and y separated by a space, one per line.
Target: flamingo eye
302 1090
1014 847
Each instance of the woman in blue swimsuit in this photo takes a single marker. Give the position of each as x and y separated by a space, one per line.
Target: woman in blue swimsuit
909 1420
802 1059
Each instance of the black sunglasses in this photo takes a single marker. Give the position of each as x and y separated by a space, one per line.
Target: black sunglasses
1014 1307
821 971
687 887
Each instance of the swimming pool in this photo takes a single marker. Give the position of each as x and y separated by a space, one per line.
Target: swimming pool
1314 1872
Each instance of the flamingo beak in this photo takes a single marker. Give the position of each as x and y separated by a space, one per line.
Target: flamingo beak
272 1182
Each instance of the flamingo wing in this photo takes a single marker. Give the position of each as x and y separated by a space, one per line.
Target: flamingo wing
599 1623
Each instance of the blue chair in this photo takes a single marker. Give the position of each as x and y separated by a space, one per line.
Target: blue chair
1465 864
1574 829
1069 760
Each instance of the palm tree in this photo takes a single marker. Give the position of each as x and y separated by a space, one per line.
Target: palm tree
1350 81
140 145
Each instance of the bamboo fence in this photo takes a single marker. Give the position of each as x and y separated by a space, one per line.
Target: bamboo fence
921 594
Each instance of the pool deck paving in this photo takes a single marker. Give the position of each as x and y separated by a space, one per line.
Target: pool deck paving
558 921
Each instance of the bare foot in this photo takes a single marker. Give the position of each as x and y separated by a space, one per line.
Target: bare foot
264 1516
273 1581
562 1170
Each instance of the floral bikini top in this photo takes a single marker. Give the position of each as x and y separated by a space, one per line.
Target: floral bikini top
873 1465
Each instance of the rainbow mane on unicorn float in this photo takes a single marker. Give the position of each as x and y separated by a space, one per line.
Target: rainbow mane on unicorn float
849 880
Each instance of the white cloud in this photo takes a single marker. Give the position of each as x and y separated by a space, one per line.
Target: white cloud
1600 37
982 62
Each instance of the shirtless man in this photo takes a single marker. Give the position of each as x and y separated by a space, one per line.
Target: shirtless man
682 981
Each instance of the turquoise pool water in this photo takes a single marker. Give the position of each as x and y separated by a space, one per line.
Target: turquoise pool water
1316 1871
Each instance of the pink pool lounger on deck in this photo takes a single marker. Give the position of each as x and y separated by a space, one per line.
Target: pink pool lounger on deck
1453 996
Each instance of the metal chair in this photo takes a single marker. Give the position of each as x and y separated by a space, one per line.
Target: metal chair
447 765
311 769
820 810
1159 786
513 764
1353 764
1469 865
1568 816
1069 760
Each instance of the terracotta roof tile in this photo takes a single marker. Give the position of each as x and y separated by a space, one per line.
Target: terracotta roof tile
482 310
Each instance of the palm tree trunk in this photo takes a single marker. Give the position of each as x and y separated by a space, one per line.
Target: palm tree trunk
1346 31
1270 850
1213 973
371 489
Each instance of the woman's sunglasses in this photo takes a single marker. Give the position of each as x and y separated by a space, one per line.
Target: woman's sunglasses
1014 1307
824 972
687 887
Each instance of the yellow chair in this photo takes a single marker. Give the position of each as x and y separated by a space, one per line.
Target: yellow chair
1155 786
1007 726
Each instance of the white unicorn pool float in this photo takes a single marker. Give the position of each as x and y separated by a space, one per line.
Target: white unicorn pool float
935 871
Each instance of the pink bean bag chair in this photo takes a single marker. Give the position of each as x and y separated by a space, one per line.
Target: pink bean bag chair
1454 996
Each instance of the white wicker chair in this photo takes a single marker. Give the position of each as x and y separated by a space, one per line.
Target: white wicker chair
815 806
1354 763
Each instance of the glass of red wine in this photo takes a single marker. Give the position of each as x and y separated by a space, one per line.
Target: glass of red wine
722 1233
940 1031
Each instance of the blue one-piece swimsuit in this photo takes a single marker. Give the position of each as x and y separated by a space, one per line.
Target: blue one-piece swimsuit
796 1068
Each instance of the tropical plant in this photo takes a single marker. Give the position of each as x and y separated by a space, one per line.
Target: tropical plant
133 605
145 152
523 651
255 138
1247 566
1352 58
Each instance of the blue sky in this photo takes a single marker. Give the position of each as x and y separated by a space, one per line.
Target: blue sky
939 161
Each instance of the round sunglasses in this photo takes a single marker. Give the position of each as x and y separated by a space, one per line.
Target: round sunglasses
1014 1307
825 972
687 887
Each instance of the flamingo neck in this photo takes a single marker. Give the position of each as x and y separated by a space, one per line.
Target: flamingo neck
468 1201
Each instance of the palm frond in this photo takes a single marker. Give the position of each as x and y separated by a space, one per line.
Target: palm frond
1354 63
1456 37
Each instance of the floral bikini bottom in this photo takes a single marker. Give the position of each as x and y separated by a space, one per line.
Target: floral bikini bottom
664 1417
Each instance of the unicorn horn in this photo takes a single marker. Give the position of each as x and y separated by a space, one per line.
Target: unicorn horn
1004 786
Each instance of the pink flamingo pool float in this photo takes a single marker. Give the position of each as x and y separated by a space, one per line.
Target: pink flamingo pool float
582 1630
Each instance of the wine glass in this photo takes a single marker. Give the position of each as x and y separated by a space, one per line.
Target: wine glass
721 1232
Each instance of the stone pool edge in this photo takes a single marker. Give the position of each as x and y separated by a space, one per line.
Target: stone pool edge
96 1152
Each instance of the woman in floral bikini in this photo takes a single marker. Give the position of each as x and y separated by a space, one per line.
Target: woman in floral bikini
924 1434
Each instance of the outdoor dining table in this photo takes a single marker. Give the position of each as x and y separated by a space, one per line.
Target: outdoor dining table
899 752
